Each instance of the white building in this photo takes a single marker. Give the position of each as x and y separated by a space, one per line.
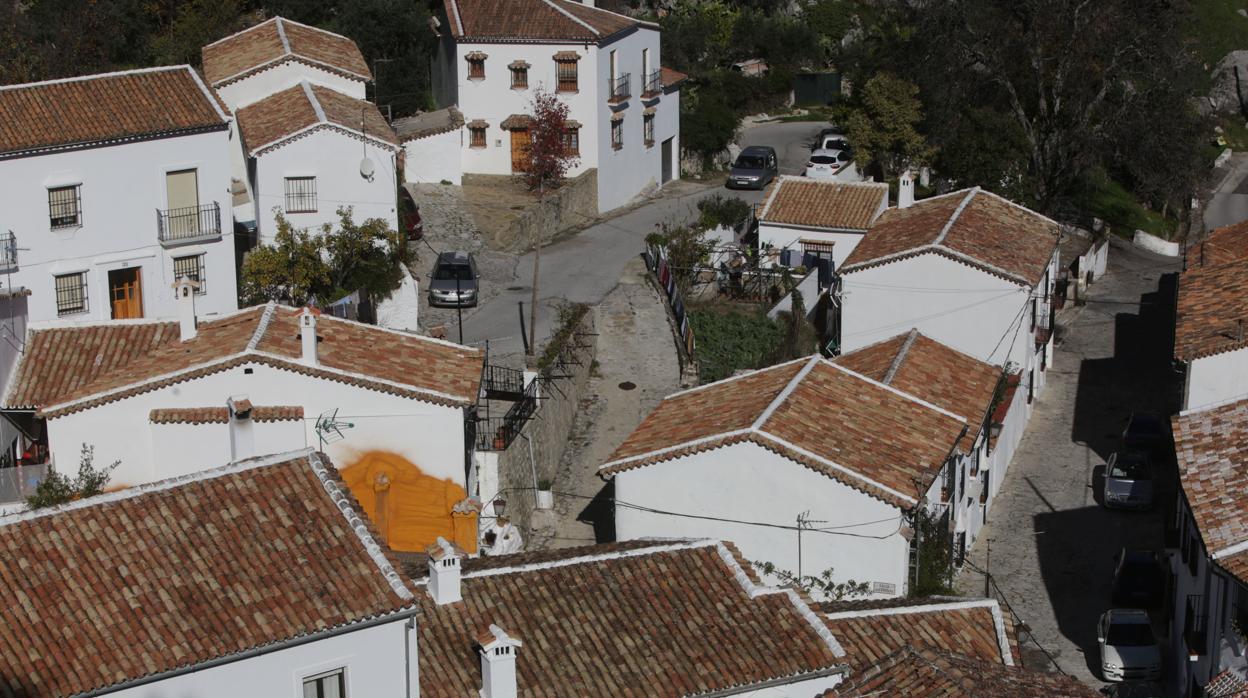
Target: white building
804 218
257 578
1210 337
431 146
116 184
807 444
1207 541
624 109
969 269
261 380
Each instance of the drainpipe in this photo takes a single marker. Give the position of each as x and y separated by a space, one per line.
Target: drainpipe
532 465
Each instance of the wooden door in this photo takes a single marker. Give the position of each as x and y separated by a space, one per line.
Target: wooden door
519 150
125 292
182 194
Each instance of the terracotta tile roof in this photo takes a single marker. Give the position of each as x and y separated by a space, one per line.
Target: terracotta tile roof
221 415
1211 447
151 579
973 627
822 416
560 21
1212 315
1221 246
972 226
112 107
931 371
671 77
1228 684
660 619
946 674
428 124
278 40
293 111
66 370
824 204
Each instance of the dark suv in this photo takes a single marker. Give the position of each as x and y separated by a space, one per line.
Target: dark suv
754 168
454 281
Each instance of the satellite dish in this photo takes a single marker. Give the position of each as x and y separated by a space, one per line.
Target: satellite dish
367 168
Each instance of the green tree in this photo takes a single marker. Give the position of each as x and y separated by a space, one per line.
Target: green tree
884 127
292 269
195 23
707 123
822 583
368 256
57 489
698 36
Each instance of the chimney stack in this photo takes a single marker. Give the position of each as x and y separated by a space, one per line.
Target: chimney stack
444 567
184 288
307 334
498 663
242 429
905 190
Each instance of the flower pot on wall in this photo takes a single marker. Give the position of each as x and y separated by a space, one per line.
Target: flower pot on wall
545 499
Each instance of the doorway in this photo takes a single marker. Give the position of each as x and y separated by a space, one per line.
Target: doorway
667 161
125 293
519 150
182 196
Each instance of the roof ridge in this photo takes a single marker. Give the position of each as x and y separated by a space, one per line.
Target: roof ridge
262 326
281 35
900 357
316 103
158 486
275 18
573 17
97 76
957 213
212 97
729 379
658 547
784 393
901 393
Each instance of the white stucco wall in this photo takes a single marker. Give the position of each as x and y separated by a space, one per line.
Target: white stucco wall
334 159
182 449
434 158
784 237
1215 379
122 188
256 87
377 661
746 482
430 436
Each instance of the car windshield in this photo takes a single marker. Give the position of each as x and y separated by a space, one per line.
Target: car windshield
1145 424
822 159
1130 468
1130 635
451 272
751 162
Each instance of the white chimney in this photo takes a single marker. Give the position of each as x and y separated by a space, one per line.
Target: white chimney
588 3
242 428
184 288
444 566
498 663
905 190
307 333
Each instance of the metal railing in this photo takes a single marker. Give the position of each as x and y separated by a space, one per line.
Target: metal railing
497 433
654 82
618 88
8 251
177 225
502 383
19 482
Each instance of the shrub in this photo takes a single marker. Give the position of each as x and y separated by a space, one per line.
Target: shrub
57 489
733 339
720 210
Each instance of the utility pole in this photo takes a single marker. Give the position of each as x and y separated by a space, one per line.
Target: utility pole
537 260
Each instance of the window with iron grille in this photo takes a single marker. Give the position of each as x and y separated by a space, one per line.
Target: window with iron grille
301 195
476 68
71 293
476 137
572 140
647 129
191 267
65 206
519 77
567 76
331 684
617 134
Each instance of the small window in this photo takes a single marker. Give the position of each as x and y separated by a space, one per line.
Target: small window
65 206
519 77
191 267
301 195
71 293
617 134
332 684
476 68
647 129
572 140
476 137
567 76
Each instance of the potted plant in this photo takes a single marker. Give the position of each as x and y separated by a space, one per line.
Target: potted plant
545 497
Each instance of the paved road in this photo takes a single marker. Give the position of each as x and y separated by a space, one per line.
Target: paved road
1230 203
587 266
1052 544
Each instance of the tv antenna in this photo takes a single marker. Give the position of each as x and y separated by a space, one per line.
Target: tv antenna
329 428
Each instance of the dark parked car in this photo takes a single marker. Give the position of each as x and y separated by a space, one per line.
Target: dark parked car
1139 579
1129 480
454 281
755 167
1146 431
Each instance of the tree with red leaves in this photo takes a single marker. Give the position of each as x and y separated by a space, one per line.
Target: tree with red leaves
549 156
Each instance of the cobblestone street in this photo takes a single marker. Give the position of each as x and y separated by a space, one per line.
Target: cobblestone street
1048 544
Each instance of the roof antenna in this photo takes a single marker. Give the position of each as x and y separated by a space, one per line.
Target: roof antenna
329 429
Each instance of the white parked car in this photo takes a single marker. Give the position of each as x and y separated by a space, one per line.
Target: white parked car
826 164
1129 649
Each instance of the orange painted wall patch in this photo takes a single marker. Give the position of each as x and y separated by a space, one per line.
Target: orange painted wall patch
409 508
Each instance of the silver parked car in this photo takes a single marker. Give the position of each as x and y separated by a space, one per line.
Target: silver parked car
1129 480
454 281
1129 650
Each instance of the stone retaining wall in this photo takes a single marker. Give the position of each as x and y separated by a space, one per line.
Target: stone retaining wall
573 205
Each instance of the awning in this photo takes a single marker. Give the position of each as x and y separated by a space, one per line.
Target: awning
475 56
816 245
519 65
618 116
649 111
478 123
517 121
567 56
571 123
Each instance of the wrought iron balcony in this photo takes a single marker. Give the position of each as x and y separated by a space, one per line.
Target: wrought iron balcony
654 84
8 251
183 226
618 88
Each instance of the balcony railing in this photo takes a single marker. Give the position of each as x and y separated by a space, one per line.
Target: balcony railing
8 251
618 88
180 226
654 83
19 482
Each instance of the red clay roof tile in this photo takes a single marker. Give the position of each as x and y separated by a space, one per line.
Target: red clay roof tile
949 674
284 114
1212 311
974 627
221 415
533 20
1212 451
824 204
278 40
